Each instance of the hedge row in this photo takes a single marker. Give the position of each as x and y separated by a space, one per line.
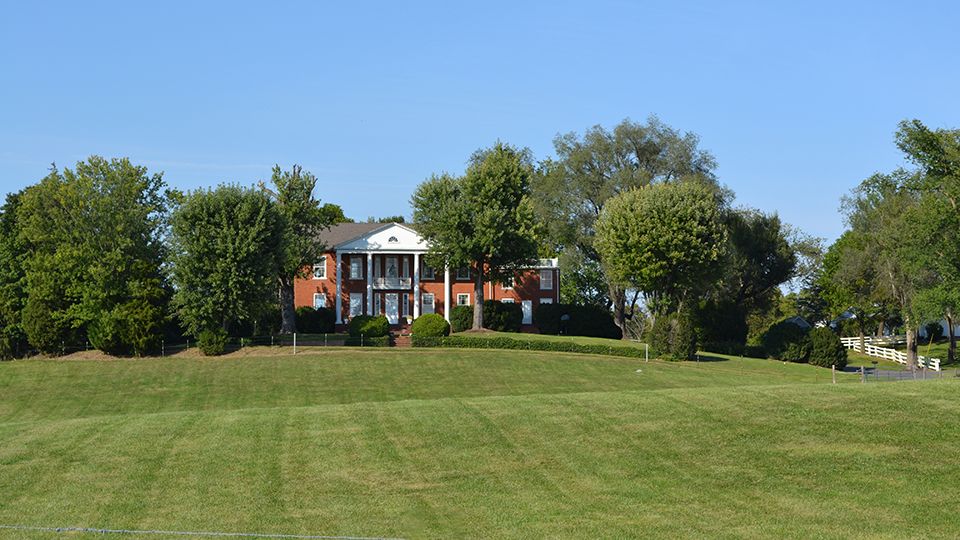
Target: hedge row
465 342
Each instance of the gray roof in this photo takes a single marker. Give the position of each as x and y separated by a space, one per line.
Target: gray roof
342 232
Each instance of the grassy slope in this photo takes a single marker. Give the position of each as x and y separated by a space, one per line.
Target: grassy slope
478 444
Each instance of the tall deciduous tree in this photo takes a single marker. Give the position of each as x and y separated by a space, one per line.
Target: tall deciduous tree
97 255
571 193
14 252
666 240
228 246
483 220
305 219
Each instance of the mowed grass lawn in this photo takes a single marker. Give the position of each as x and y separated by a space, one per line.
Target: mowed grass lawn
474 444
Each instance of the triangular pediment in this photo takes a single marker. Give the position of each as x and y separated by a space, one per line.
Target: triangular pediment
390 237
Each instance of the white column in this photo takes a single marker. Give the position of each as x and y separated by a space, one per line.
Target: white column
369 283
416 285
446 293
339 300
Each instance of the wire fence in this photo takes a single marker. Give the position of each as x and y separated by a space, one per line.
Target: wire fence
184 533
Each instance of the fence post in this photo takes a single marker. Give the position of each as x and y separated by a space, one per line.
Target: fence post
863 374
833 369
646 351
294 343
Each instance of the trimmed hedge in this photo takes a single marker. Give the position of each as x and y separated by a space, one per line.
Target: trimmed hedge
212 341
430 325
369 326
576 320
469 342
357 341
502 317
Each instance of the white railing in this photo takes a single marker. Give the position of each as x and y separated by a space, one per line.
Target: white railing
391 283
887 353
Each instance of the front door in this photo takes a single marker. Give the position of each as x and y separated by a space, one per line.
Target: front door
392 308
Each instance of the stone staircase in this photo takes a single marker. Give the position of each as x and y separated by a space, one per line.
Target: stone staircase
403 340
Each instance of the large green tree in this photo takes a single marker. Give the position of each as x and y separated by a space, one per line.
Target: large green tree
305 219
228 246
571 193
483 220
95 267
667 240
14 252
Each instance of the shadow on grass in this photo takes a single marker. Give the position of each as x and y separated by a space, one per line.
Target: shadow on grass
702 357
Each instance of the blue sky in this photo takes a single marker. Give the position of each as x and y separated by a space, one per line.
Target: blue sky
798 101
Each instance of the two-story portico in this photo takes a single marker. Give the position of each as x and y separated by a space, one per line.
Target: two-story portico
375 268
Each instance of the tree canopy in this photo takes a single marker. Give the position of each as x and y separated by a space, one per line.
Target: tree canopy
483 220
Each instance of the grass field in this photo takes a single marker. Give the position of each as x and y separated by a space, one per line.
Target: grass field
474 444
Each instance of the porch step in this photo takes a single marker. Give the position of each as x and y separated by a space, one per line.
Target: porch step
401 341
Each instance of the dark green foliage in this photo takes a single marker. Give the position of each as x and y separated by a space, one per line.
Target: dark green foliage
733 348
212 341
315 321
228 248
14 251
934 330
674 337
788 342
430 325
469 342
826 349
576 320
268 322
461 318
44 325
133 327
369 326
502 316
720 321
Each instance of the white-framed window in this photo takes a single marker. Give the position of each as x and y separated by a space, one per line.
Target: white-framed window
405 305
546 300
319 300
356 267
377 305
356 304
427 272
463 299
507 283
406 267
392 267
463 273
546 279
376 266
527 307
507 300
428 299
320 269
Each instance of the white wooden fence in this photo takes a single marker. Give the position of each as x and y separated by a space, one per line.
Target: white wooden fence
871 344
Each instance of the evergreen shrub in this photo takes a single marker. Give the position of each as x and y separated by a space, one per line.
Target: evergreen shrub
502 316
788 342
369 326
430 325
576 320
315 321
212 341
674 337
461 318
826 349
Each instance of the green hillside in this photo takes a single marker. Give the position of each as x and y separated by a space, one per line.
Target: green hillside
473 444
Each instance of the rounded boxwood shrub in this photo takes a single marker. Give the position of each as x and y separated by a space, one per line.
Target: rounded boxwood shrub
369 326
461 318
826 349
430 325
212 341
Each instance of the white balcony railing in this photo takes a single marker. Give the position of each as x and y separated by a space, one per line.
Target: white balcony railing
392 283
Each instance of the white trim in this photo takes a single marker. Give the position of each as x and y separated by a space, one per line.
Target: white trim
319 300
461 296
546 284
320 268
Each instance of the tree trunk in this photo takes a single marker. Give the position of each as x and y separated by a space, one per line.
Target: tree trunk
952 349
478 298
911 348
288 308
880 329
619 298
